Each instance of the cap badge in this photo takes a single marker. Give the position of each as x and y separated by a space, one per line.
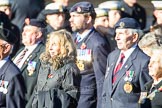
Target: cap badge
60 9
122 24
1 25
27 21
122 9
79 9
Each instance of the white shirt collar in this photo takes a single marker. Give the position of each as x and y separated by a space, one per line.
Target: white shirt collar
2 62
127 53
84 34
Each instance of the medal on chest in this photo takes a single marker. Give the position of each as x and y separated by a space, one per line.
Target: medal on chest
129 76
83 56
128 87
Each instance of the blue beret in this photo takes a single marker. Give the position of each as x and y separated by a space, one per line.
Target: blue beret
127 23
35 22
83 7
6 33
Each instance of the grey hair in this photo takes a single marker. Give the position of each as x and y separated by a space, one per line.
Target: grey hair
138 31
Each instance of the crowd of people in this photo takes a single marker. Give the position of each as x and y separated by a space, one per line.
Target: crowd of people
59 56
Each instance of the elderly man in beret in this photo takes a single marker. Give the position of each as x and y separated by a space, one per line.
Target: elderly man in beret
92 51
27 58
127 68
12 90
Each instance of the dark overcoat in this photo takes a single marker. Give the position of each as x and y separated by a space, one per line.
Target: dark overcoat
114 96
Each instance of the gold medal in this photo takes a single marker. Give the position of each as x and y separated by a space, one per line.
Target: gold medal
128 87
80 65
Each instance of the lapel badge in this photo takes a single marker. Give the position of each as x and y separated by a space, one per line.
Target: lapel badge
126 66
83 46
107 72
128 87
31 67
50 75
122 24
160 89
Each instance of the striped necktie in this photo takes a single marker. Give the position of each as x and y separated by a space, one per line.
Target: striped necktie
78 39
21 56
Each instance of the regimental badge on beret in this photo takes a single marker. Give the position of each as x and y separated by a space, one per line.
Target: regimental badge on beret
122 9
79 9
60 8
122 24
27 21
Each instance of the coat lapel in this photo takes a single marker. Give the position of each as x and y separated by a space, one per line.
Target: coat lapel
111 67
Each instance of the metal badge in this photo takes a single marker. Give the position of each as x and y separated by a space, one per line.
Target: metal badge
79 9
122 24
80 65
128 87
31 67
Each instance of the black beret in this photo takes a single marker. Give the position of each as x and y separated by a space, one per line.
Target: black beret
6 33
83 7
35 22
127 23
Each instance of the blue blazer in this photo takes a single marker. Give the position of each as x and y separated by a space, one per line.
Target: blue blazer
114 96
15 95
94 71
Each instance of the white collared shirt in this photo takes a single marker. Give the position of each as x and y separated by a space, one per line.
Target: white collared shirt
82 36
30 50
2 62
127 54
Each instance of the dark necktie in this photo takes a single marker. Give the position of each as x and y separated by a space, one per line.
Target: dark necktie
118 67
21 56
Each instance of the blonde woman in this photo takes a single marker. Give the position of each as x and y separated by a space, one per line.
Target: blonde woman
59 77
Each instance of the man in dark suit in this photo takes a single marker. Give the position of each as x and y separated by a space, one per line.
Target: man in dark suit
126 75
27 58
12 89
92 51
